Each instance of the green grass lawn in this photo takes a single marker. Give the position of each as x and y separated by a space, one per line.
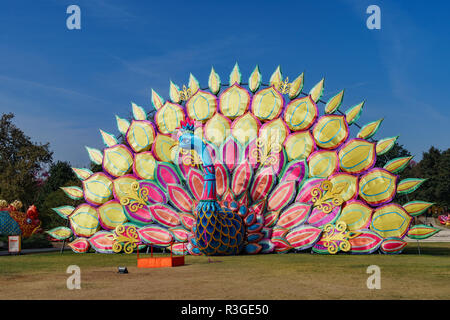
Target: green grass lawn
275 276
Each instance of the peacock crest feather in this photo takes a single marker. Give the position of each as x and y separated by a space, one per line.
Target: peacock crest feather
245 168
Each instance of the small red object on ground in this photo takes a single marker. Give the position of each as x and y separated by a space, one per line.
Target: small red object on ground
160 262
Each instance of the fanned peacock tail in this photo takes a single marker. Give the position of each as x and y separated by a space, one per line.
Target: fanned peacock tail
285 174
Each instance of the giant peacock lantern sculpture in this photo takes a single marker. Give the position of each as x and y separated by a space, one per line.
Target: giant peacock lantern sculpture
243 168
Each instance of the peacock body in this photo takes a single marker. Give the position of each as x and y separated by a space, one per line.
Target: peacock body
249 168
218 231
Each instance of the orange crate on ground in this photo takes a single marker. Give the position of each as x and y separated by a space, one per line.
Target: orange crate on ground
159 262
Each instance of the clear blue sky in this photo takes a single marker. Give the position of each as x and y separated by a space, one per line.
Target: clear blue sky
64 85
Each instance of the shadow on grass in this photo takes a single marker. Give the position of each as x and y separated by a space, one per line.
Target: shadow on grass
413 248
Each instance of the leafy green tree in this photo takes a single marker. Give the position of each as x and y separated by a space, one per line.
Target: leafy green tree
59 173
21 163
57 198
51 195
57 176
435 167
443 188
96 167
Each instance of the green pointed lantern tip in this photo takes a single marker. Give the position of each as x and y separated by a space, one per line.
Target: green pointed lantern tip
157 100
235 76
276 78
108 138
352 114
95 155
174 92
214 81
334 102
122 125
255 79
297 86
317 91
138 112
194 85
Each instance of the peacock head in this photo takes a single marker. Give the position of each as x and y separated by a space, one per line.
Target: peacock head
186 137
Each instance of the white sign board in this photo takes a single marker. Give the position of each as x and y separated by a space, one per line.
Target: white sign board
14 244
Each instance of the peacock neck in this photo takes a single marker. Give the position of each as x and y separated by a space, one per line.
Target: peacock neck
209 172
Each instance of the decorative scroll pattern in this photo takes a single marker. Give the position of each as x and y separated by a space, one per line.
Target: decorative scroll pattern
136 198
336 237
185 93
284 86
264 153
125 238
327 195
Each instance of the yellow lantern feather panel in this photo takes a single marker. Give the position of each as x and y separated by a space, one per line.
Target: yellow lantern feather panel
353 113
138 112
122 186
330 131
122 125
377 186
349 181
84 220
140 135
245 128
98 188
274 131
357 155
301 114
323 163
108 139
214 82
111 214
234 101
398 164
201 106
299 145
356 214
95 155
409 185
217 129
169 117
415 208
267 104
117 160
144 165
390 220
163 148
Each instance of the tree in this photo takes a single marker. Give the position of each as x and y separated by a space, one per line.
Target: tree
57 198
21 163
96 167
57 176
435 167
51 196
